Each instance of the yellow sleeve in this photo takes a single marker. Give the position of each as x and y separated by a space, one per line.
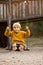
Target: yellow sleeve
8 33
27 33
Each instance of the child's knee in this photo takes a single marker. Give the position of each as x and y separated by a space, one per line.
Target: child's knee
14 47
21 48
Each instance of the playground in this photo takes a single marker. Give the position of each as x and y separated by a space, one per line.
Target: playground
32 57
28 13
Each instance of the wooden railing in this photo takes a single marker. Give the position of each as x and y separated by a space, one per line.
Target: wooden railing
21 9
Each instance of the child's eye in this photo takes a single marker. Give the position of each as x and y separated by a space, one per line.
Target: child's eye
14 27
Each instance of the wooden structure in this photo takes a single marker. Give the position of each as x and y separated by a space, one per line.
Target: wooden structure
21 9
18 10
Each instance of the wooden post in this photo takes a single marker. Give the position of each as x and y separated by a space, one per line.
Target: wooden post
9 24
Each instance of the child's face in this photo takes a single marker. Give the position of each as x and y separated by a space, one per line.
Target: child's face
16 28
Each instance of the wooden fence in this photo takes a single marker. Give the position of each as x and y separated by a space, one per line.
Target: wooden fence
21 9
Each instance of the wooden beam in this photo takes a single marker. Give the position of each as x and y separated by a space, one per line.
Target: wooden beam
32 18
29 18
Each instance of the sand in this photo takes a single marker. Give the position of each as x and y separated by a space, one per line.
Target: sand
32 57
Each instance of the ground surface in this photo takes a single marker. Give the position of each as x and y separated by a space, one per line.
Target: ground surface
32 57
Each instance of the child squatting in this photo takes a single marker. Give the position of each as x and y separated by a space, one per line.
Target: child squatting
17 36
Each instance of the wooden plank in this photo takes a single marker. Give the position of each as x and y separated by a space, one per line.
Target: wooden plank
24 9
4 11
29 6
7 11
1 11
42 6
36 7
13 10
33 12
20 10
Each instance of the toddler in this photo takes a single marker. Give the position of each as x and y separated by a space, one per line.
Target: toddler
17 36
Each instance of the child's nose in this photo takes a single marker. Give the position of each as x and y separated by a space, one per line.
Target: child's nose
16 28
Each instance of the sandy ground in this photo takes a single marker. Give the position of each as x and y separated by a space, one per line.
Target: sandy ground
32 57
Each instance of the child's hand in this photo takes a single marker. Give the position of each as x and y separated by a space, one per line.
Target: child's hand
7 28
27 28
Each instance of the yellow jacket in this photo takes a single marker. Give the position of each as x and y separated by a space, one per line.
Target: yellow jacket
17 37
